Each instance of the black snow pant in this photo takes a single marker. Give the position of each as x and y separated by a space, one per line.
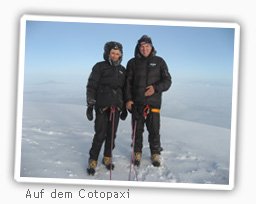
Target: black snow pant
152 122
103 133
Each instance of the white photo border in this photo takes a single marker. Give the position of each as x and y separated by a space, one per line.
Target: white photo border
20 88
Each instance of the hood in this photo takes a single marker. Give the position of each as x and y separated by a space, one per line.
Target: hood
112 45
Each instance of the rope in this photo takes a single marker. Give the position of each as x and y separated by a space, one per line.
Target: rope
132 152
112 118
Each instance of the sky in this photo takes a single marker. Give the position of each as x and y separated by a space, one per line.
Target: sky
66 50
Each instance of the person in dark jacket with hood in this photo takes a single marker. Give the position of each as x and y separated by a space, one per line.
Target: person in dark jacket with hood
105 94
147 77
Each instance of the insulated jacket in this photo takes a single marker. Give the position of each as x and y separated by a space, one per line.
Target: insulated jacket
105 85
142 72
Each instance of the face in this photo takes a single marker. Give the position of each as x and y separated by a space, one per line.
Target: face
145 49
115 55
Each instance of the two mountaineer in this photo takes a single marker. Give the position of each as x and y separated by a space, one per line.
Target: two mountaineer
112 90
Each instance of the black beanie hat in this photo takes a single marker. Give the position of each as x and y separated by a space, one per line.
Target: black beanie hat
145 39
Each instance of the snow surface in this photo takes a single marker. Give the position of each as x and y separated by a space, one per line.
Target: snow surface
56 139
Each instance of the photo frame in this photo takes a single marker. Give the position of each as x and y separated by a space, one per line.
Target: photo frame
198 114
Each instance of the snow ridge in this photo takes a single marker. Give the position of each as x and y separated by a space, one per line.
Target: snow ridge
56 139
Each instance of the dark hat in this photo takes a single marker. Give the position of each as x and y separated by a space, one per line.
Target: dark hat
145 39
112 45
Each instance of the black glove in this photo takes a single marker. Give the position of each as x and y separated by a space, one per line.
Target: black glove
91 102
123 114
89 113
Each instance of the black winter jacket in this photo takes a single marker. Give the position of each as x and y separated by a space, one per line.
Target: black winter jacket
142 72
106 84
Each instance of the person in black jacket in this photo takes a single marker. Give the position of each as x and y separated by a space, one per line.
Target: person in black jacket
147 77
105 93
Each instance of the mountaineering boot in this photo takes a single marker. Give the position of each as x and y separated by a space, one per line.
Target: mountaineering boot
137 158
107 161
155 159
91 167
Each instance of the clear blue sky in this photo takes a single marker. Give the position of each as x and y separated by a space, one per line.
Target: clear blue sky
62 50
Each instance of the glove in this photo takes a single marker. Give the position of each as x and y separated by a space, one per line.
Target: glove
91 102
123 114
89 113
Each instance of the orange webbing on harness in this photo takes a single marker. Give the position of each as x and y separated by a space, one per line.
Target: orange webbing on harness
155 110
147 110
